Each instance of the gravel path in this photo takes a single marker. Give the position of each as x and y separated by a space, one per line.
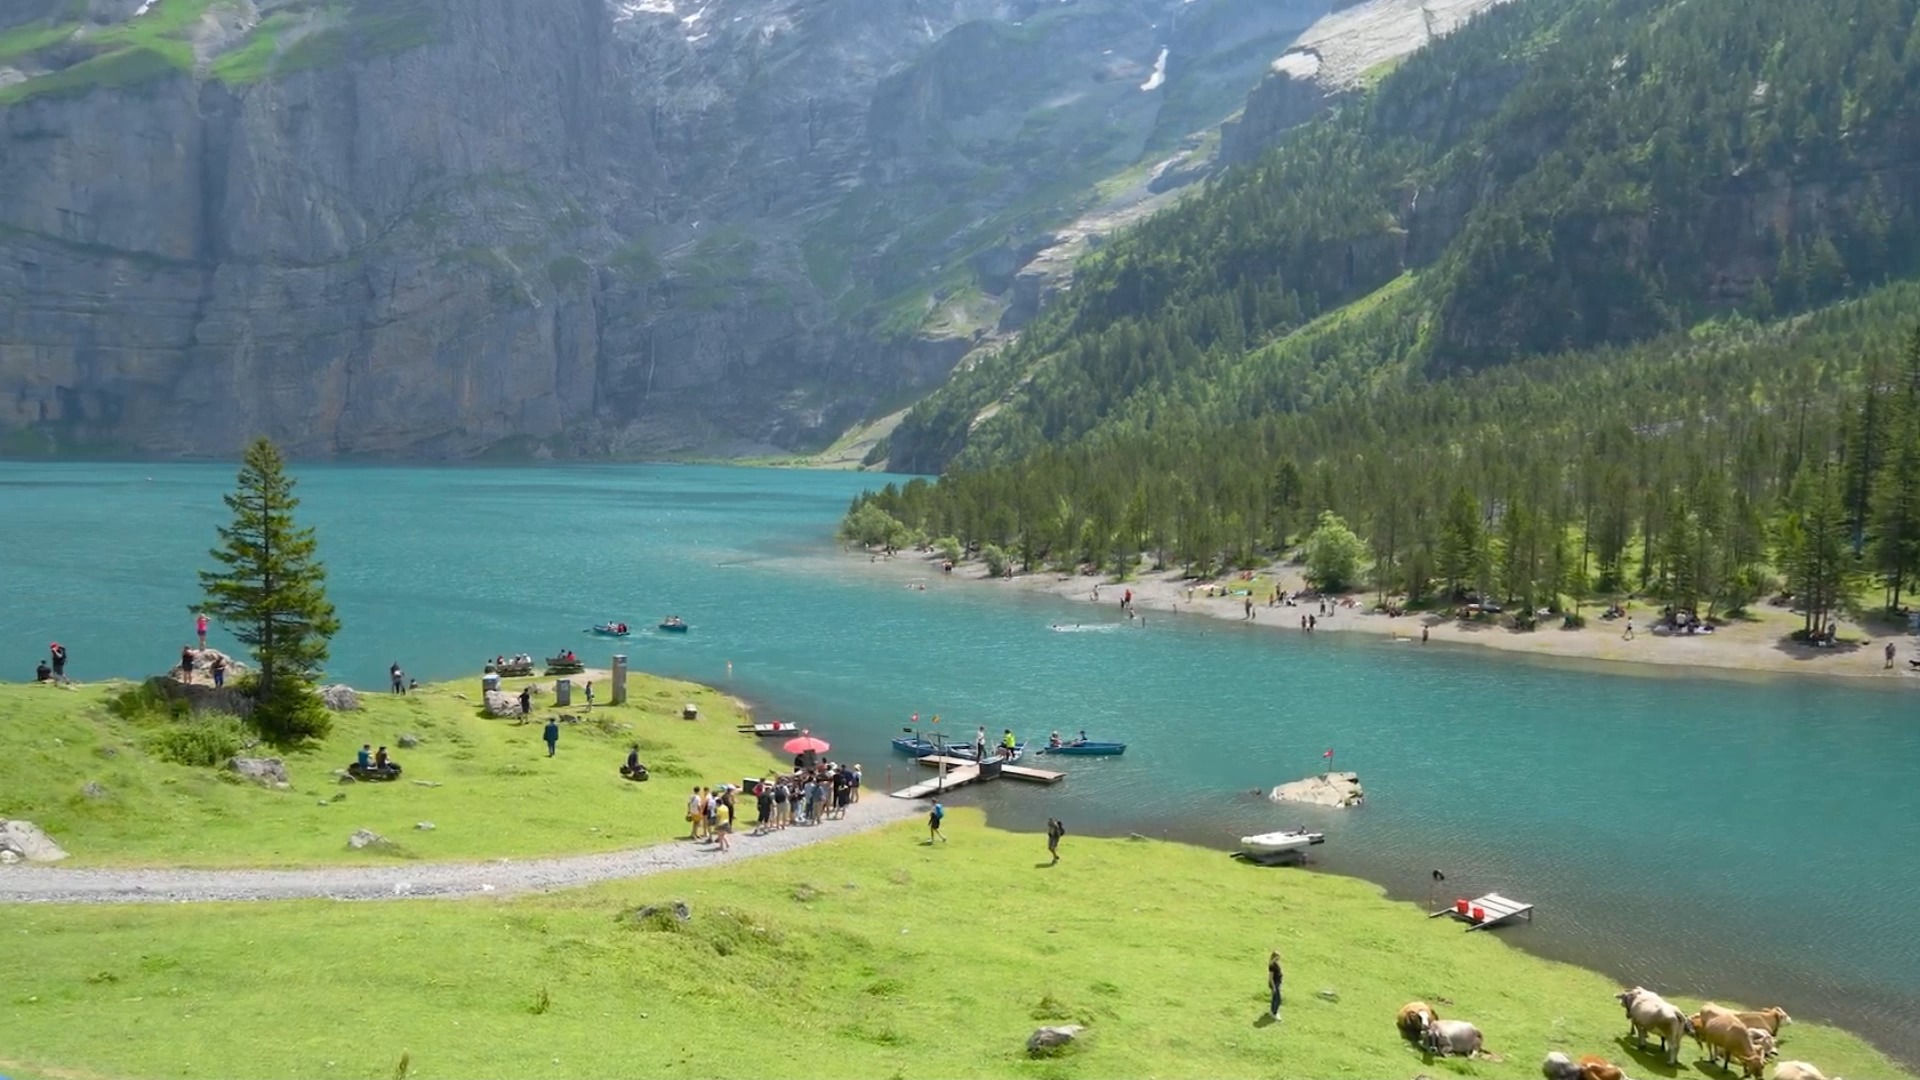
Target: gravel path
47 885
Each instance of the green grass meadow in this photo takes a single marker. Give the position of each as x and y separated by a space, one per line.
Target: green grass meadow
871 956
499 795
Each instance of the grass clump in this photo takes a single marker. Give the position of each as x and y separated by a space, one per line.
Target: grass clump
120 68
205 743
1158 949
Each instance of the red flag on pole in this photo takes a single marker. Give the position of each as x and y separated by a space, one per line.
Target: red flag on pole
1328 755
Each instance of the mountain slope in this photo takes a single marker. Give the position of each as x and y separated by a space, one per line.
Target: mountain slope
429 227
1561 174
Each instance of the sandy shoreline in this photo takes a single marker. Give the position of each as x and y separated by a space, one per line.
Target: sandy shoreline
1757 644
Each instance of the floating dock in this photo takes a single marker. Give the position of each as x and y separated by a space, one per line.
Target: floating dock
1489 910
960 771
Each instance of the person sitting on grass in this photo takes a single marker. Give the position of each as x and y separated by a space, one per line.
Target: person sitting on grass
43 673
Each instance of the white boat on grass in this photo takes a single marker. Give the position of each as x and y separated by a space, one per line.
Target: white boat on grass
1275 844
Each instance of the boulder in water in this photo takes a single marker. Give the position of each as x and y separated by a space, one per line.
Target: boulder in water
24 840
1338 790
340 698
267 772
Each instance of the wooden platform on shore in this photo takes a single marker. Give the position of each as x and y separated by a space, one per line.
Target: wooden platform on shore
1488 911
960 772
966 774
1018 772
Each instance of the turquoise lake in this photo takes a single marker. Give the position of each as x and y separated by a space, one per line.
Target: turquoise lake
1751 838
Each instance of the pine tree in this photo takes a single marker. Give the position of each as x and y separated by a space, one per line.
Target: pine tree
270 592
1463 543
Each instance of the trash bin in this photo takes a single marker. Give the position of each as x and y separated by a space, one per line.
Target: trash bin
562 693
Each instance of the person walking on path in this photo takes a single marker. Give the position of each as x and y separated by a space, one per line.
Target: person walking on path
552 735
526 701
589 697
1890 652
399 678
933 823
1629 634
200 628
1274 977
58 654
1055 831
695 818
722 819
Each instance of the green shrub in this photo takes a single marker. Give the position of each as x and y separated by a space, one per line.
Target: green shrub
149 703
292 714
995 559
949 548
203 743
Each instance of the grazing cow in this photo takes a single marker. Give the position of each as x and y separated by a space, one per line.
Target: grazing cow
1559 1066
1727 1040
1648 1011
1768 1020
1414 1019
1453 1038
1594 1067
1798 1070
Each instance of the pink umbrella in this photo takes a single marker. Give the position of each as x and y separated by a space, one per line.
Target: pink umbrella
807 742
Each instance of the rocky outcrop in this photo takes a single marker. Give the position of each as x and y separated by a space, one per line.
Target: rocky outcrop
23 840
500 706
1332 59
267 772
341 698
1338 790
1051 1041
363 839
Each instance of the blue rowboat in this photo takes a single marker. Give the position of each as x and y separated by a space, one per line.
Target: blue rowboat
914 746
1088 749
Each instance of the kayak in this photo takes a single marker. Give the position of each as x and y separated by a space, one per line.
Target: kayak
1088 749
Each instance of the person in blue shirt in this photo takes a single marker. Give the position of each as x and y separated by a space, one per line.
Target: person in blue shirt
933 823
365 757
552 735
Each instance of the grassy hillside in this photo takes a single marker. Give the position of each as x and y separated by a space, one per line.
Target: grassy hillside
869 956
498 793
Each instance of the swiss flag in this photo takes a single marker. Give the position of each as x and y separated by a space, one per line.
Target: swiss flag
1328 755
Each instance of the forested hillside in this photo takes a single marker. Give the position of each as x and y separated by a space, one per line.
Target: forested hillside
1591 297
1560 175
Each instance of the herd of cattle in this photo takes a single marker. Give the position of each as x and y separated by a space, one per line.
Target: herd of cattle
1727 1035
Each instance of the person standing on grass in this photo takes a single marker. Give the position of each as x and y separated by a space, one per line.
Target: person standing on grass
552 735
1274 977
58 654
200 628
763 806
526 701
1055 831
933 823
398 677
589 697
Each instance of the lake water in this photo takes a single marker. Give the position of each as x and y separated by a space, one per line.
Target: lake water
1752 838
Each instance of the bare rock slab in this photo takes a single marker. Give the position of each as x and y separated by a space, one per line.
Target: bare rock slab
24 840
267 772
340 698
1337 790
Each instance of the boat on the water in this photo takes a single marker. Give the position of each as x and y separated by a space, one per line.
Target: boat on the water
1275 844
964 751
1087 748
674 624
914 746
612 629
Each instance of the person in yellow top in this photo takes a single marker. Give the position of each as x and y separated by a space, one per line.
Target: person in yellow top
722 820
1007 744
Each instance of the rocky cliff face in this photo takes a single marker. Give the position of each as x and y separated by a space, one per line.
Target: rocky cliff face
451 227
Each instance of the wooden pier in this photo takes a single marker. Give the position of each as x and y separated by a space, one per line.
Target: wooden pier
960 771
1488 911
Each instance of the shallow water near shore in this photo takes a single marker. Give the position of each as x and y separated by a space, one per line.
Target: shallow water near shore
1753 838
